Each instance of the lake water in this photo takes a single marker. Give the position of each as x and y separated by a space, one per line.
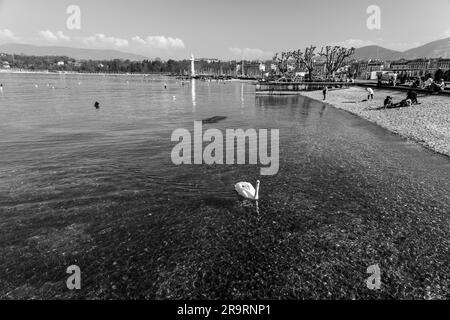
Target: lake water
97 188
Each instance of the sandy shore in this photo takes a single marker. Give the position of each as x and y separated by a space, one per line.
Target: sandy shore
427 123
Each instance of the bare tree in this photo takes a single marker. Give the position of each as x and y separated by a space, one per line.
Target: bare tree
283 61
296 56
280 61
308 60
335 58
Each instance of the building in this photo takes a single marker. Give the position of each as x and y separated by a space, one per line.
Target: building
443 64
5 65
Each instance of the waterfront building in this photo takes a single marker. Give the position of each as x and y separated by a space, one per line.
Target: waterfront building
443 64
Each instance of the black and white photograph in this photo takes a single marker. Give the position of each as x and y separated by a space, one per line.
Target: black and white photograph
239 151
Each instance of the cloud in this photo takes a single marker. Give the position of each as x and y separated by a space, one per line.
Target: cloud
53 37
160 42
48 35
249 53
8 35
447 33
100 39
62 36
356 43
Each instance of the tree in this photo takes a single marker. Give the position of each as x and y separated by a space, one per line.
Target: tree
308 60
335 58
281 61
439 75
447 75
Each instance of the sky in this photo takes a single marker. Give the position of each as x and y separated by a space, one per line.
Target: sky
224 29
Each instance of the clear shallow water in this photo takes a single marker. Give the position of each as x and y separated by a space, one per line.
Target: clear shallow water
98 187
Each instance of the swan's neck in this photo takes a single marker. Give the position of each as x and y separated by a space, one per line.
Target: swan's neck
257 191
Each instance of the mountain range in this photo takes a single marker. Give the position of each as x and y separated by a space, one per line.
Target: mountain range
75 53
435 49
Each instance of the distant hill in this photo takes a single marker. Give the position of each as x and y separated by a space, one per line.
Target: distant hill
76 53
435 49
376 53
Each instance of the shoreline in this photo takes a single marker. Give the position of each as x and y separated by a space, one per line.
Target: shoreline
427 123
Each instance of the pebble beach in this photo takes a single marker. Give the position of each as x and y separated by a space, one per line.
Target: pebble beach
427 123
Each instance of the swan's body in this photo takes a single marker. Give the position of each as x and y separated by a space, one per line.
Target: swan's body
247 191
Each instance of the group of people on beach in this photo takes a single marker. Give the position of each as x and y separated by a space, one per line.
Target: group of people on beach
411 99
434 86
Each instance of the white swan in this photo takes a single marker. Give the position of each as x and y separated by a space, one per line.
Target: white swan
247 191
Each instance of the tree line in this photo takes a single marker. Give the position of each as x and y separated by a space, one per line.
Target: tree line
53 64
334 58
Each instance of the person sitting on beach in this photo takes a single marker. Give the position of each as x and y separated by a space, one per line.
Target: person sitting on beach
441 86
428 84
412 95
388 102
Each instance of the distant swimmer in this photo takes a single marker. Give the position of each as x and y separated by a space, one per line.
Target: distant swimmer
36 86
1 87
97 105
165 85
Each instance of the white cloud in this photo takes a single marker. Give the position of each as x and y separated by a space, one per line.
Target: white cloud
138 40
160 42
54 37
356 43
62 36
8 35
248 53
48 35
100 40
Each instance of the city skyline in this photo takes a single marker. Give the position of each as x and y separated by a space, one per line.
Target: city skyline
175 29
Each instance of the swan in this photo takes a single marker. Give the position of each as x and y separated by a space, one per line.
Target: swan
247 191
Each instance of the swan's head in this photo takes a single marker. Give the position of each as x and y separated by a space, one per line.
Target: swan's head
257 190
